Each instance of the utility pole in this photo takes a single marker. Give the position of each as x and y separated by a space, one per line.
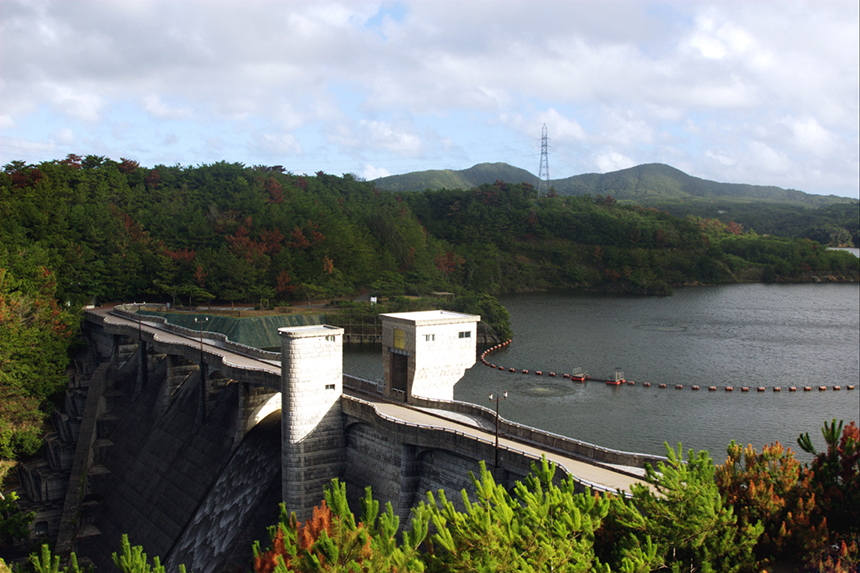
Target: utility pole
543 173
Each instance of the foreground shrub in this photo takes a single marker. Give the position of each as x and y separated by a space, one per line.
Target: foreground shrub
771 488
834 476
685 517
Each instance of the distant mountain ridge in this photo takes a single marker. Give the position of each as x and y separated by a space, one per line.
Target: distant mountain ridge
653 183
450 179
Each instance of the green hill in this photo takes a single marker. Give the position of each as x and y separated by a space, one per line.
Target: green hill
766 209
653 182
450 179
658 182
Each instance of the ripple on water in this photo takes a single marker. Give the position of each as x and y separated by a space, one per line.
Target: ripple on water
661 327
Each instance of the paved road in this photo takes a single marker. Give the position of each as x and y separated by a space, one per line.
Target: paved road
600 476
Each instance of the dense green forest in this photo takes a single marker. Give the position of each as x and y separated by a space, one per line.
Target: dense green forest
754 512
118 231
88 229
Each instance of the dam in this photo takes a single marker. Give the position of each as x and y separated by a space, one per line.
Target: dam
187 441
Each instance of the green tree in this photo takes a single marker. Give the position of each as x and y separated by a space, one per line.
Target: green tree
14 523
541 527
682 512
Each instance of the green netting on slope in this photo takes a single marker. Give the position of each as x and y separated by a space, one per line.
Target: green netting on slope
256 331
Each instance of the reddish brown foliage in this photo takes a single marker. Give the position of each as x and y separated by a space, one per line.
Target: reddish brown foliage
283 284
200 276
183 255
153 178
307 534
303 239
72 160
328 265
771 487
128 165
448 262
276 191
24 176
735 228
271 241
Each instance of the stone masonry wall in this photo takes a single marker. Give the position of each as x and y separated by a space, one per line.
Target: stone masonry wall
312 445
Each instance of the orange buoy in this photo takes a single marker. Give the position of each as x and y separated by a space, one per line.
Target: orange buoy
837 387
712 388
851 387
822 388
647 384
777 389
567 376
729 388
662 386
807 388
792 388
501 367
760 388
694 387
745 389
552 373
679 386
538 372
525 371
512 369
631 383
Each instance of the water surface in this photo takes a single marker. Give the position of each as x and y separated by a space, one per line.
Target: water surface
735 335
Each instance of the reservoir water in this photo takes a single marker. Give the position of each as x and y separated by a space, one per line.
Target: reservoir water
735 335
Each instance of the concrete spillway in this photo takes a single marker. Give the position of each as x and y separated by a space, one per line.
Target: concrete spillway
239 507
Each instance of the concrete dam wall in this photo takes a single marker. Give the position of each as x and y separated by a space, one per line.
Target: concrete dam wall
169 448
172 475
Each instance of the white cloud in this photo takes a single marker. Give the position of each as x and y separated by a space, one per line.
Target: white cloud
810 136
613 161
720 158
380 134
277 144
153 105
65 136
370 172
75 101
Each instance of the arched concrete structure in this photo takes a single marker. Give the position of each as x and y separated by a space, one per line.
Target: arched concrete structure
349 430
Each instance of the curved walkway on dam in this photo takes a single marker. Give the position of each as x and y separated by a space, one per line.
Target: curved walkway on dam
235 362
598 477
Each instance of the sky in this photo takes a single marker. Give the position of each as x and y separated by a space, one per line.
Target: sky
766 93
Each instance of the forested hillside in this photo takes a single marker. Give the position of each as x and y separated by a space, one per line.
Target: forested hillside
828 220
456 179
88 228
116 230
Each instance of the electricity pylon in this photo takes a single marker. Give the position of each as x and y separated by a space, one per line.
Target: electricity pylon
543 173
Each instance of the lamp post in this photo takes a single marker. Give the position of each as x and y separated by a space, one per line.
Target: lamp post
139 334
201 321
498 398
